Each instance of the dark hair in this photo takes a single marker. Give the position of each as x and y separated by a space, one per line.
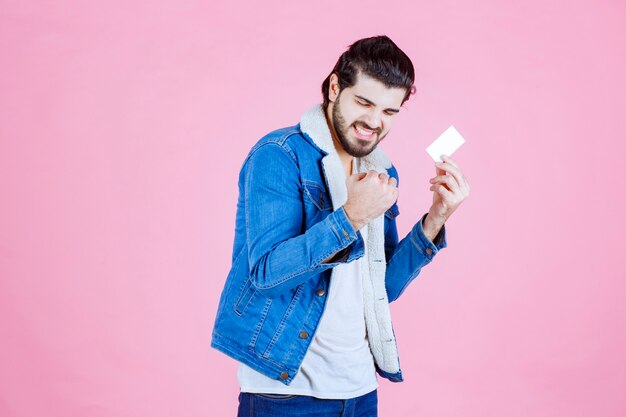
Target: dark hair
377 57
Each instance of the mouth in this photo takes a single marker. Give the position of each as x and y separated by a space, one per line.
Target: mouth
363 133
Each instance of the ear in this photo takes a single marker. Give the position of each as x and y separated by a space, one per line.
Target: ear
333 88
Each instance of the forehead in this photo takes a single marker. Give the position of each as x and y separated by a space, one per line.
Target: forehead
377 92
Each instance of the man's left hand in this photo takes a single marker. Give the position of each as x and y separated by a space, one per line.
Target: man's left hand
449 188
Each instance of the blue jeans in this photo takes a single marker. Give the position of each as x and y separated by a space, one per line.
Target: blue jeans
282 405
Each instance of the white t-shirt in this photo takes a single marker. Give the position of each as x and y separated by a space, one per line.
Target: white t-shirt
339 363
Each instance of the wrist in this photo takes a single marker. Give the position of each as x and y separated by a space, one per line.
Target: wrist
431 225
356 223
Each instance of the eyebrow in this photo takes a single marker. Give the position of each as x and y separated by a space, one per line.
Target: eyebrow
374 104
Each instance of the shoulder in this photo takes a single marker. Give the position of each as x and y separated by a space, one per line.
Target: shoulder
287 141
275 144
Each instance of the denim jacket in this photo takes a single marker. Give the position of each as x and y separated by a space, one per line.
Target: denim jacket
290 218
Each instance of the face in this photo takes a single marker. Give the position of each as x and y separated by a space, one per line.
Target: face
362 115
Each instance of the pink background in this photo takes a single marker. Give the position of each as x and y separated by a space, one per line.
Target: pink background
123 126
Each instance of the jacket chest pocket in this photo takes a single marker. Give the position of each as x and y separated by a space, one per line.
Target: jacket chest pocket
316 195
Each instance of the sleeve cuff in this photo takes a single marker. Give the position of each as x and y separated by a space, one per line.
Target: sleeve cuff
349 239
342 227
423 243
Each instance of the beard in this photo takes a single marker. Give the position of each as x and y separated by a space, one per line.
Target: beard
360 147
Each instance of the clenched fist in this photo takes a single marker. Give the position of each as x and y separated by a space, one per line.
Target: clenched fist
370 194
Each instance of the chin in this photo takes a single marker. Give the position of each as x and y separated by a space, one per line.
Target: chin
362 151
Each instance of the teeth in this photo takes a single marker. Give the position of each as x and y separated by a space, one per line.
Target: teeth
364 131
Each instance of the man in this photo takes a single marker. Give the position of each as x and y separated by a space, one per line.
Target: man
316 257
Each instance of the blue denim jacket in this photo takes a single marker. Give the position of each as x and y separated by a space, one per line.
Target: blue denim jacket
286 226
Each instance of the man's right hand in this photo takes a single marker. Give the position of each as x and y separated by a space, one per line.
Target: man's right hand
370 194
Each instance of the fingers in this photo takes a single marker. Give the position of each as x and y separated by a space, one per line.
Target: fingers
447 159
439 171
383 177
446 195
450 167
447 180
393 183
388 180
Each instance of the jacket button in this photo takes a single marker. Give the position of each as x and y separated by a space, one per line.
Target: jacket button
304 335
284 375
429 251
321 292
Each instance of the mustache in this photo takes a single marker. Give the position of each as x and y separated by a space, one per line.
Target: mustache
377 130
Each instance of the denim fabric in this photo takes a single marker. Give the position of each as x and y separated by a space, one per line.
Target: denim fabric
276 290
279 405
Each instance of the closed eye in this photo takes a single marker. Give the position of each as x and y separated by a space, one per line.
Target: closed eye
366 103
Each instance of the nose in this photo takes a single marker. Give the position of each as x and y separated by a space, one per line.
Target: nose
373 119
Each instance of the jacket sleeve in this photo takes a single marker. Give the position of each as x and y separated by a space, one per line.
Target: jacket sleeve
281 253
406 258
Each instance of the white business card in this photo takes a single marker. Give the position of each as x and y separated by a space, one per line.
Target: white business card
446 144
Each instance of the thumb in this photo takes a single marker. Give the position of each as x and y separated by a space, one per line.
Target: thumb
357 177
